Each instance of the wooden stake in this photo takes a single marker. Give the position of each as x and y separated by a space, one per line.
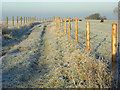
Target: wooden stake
55 20
40 19
76 31
34 19
17 20
65 25
61 23
37 19
7 21
45 18
114 44
13 20
26 20
88 35
21 20
69 27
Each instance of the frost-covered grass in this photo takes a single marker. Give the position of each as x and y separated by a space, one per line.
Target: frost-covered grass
48 58
100 37
14 35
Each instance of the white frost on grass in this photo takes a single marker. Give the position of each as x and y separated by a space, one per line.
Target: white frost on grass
48 58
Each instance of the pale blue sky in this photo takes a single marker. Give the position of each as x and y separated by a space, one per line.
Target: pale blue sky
62 9
60 0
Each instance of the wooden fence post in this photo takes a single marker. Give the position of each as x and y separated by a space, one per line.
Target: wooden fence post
37 20
34 19
45 18
65 25
114 44
69 27
13 20
88 35
7 20
40 19
21 20
55 20
61 23
17 20
76 30
26 20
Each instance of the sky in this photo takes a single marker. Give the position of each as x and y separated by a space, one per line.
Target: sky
60 9
60 0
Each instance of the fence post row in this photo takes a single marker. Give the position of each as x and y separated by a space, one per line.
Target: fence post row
59 21
88 35
114 44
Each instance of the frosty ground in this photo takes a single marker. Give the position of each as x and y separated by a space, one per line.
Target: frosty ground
40 55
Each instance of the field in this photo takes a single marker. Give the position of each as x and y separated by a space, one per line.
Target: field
100 36
41 55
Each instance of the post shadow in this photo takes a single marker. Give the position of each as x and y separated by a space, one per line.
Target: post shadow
99 45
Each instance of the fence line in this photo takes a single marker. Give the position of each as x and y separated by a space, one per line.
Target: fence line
59 23
25 20
114 37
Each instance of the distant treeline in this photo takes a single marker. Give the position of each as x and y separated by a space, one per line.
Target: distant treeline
96 16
